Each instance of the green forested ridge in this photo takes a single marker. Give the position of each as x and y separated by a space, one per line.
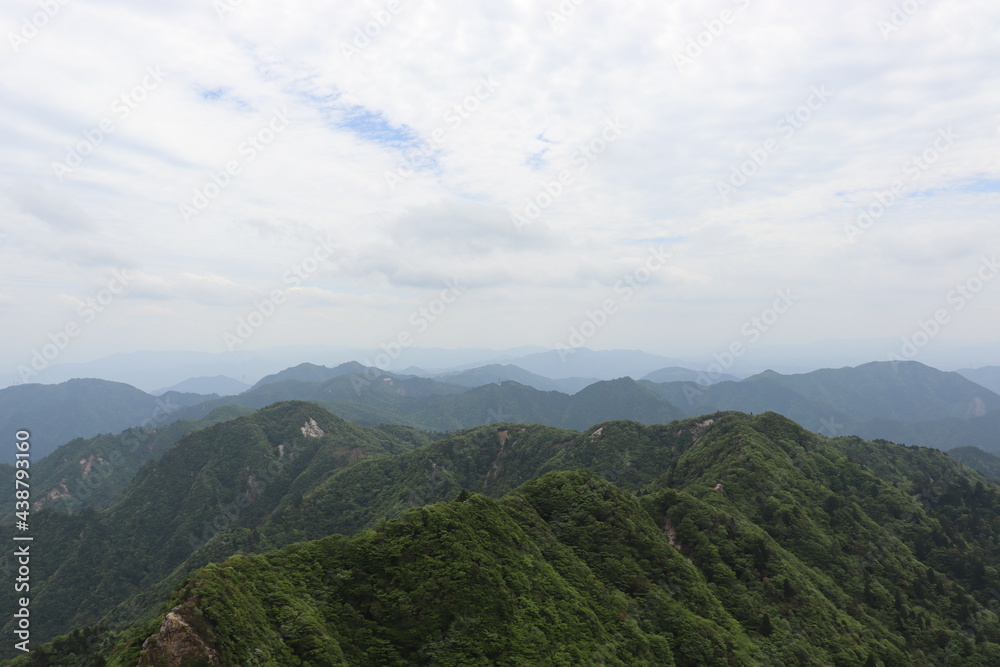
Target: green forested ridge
307 372
92 472
218 479
373 396
977 459
905 401
724 539
366 397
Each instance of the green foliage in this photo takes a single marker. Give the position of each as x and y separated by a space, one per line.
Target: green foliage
986 463
725 539
93 472
905 401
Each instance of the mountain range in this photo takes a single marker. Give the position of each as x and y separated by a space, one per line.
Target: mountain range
56 414
219 385
289 536
899 401
627 522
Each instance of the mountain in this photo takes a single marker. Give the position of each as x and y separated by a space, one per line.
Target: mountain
312 373
509 584
623 398
230 474
363 395
762 395
988 376
219 385
948 434
583 362
56 414
93 472
820 401
906 391
514 402
877 400
679 374
722 539
369 396
176 399
150 370
977 459
477 377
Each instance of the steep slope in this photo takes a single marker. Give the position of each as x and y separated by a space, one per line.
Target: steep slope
471 582
221 478
725 539
93 472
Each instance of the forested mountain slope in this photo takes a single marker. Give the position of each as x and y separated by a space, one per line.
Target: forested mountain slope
724 539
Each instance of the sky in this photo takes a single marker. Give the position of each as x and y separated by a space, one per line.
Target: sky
694 179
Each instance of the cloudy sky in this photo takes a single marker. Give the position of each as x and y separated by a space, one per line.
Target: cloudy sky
645 175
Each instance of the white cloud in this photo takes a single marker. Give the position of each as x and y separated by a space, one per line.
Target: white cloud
553 89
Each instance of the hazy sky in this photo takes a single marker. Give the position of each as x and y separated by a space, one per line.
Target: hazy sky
487 174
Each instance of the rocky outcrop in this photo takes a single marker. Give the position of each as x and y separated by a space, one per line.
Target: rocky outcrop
312 430
177 644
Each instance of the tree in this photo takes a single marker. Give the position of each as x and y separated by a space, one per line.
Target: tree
766 627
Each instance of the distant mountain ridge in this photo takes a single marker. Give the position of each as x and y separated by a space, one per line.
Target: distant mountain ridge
56 414
876 400
220 385
306 372
988 376
476 377
374 396
602 364
679 374
907 391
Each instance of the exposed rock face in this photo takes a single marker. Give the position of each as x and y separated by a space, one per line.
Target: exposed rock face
671 533
701 427
312 430
176 644
977 408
